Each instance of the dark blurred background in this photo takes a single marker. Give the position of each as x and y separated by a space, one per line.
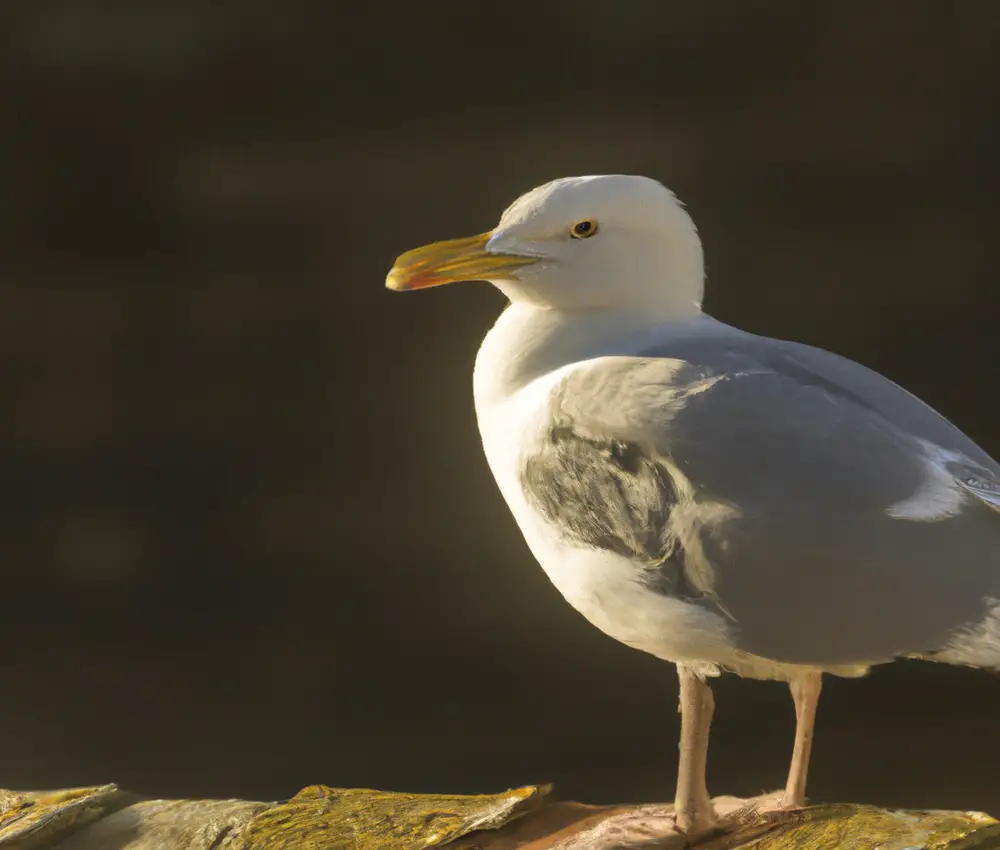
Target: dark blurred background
248 539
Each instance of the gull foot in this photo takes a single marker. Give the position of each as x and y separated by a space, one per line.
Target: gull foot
696 820
660 826
742 813
649 826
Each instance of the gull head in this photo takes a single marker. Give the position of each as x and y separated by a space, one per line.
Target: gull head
612 241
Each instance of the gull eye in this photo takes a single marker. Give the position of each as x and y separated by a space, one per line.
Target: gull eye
584 229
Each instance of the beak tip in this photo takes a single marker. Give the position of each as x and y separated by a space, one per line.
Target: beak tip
395 281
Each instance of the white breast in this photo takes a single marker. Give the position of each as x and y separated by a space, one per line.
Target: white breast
512 409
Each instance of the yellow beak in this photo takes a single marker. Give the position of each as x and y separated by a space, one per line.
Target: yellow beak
450 262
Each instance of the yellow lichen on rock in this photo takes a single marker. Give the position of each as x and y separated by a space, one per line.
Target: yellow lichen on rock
869 828
33 819
319 817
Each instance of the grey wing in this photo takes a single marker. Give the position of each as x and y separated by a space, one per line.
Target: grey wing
833 517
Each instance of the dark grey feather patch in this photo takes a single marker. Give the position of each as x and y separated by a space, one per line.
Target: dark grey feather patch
609 494
613 495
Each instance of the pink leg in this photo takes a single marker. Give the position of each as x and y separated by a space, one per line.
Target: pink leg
692 804
805 692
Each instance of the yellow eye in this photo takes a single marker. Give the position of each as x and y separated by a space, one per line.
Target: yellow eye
584 229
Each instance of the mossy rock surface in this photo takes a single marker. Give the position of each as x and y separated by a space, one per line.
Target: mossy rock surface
317 818
321 818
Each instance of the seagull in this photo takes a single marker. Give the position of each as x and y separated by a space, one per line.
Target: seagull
725 501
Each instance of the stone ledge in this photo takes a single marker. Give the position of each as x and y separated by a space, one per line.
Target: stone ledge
322 818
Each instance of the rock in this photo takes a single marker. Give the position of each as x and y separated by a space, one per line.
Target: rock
322 818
